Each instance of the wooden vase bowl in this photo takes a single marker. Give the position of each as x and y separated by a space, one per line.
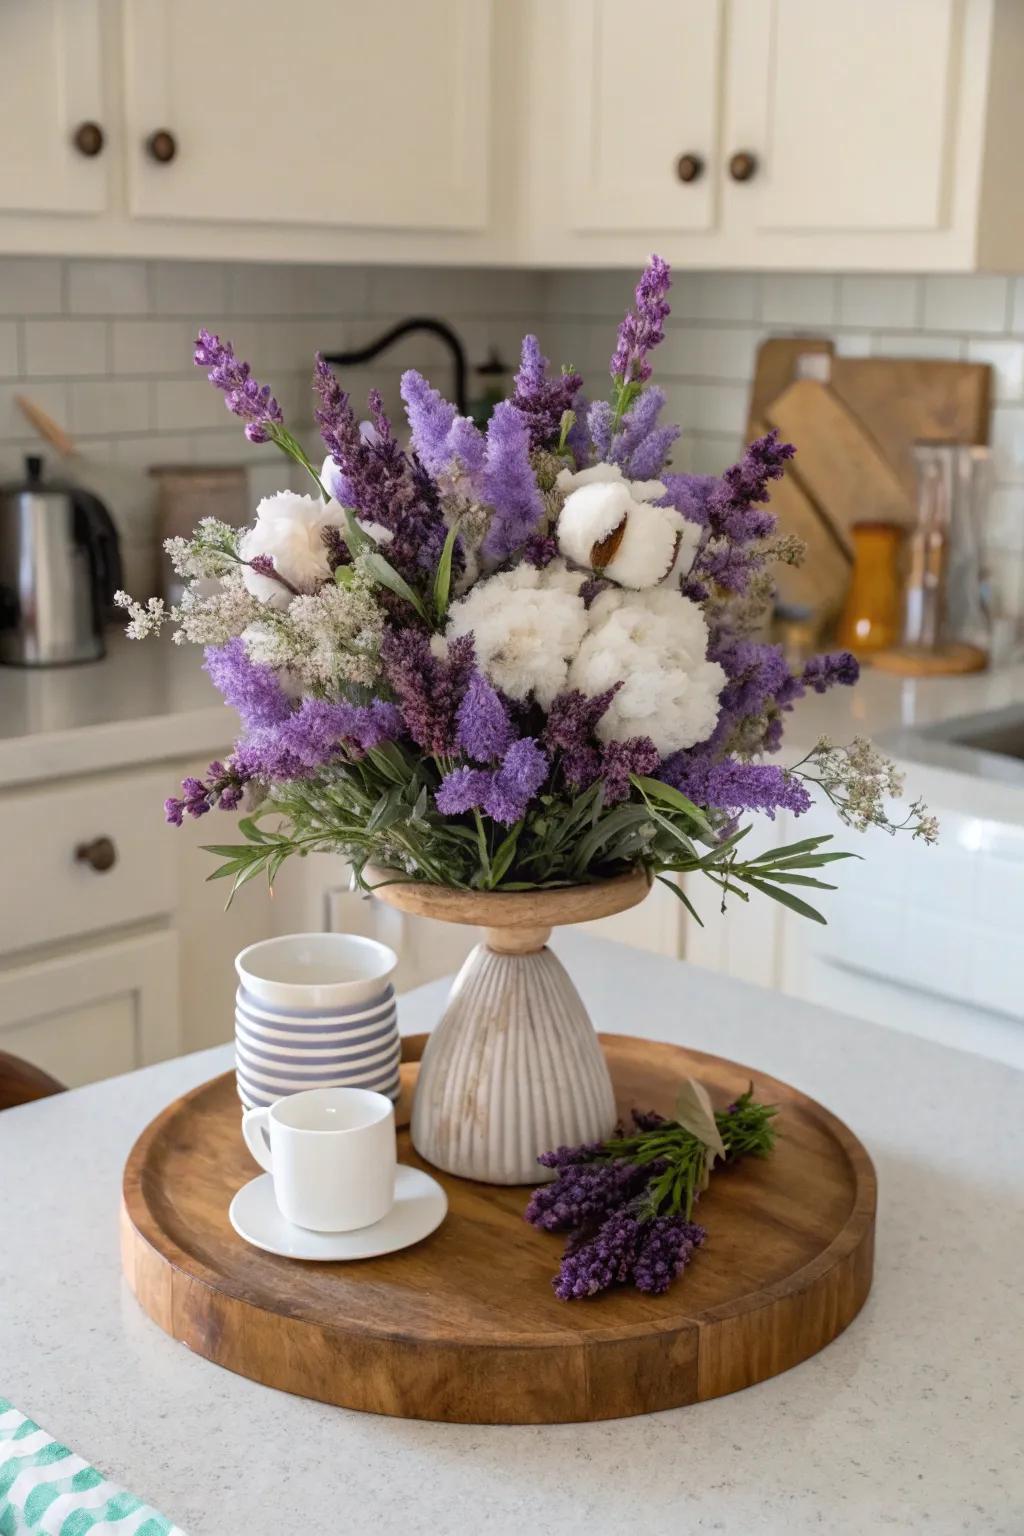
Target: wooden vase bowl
519 917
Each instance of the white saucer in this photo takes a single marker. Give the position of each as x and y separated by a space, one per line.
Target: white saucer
420 1206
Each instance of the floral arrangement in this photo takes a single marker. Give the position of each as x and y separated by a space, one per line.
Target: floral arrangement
627 1203
509 659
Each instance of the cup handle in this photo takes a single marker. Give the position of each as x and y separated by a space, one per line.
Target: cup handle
257 1139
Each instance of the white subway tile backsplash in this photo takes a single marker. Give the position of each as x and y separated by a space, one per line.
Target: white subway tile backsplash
197 288
280 290
966 303
714 296
108 288
708 353
182 404
1007 443
1005 529
604 294
1007 361
798 299
30 285
150 347
916 344
893 302
108 405
9 361
58 348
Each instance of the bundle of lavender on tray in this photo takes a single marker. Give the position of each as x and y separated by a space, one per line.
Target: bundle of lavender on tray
627 1203
514 658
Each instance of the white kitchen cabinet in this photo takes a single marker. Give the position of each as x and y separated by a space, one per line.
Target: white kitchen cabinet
53 85
95 1011
625 142
328 114
817 134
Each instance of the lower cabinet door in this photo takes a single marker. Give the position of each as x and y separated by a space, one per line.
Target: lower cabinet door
95 1011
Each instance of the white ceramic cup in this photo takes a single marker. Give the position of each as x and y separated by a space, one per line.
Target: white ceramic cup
331 1153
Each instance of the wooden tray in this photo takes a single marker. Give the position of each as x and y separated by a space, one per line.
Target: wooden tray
464 1327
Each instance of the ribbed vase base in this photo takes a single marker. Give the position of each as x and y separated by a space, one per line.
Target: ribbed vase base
513 1069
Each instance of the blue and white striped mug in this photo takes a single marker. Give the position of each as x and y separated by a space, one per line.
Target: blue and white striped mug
315 1010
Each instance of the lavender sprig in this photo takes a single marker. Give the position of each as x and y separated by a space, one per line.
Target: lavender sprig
640 332
249 400
627 1203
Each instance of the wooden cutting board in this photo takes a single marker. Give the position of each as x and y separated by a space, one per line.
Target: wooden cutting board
464 1326
820 583
838 462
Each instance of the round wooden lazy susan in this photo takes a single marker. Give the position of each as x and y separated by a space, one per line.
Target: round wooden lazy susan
464 1327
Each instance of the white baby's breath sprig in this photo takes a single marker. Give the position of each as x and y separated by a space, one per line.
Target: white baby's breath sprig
859 780
143 618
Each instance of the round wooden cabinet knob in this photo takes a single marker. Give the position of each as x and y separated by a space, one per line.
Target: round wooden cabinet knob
88 139
161 146
689 167
100 854
743 165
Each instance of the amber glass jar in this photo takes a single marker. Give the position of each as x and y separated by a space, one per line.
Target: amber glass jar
870 620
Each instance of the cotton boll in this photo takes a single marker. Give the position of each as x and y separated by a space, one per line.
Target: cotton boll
647 549
655 644
686 552
289 529
527 624
590 516
568 480
647 490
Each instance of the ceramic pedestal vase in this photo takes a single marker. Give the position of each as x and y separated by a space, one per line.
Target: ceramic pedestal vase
514 1067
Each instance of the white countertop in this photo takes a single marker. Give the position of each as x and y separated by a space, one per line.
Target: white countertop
147 700
910 1421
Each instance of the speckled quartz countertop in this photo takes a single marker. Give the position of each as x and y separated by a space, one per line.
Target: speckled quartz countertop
909 1422
145 701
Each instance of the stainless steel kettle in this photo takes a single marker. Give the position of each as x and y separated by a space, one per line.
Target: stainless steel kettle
60 565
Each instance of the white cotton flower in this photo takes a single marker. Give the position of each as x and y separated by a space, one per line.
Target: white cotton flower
289 529
655 644
527 625
611 525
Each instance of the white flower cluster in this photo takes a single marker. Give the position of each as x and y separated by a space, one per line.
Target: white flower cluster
213 613
535 638
655 643
612 525
143 618
289 530
527 625
325 638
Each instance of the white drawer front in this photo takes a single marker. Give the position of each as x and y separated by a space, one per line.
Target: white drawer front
48 893
96 1011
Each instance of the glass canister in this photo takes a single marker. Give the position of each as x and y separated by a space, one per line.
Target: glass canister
870 620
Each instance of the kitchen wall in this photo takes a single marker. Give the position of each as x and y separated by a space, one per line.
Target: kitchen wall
718 319
105 347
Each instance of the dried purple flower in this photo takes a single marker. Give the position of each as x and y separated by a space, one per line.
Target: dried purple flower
242 395
428 689
441 437
643 328
509 484
222 787
641 447
824 672
733 785
602 1261
569 730
485 730
540 549
514 784
583 1194
541 401
251 688
665 1248
619 759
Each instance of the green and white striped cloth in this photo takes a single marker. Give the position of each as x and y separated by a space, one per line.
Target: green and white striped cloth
47 1489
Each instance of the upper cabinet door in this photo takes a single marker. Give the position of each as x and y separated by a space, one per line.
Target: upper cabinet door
849 110
638 98
334 112
52 91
